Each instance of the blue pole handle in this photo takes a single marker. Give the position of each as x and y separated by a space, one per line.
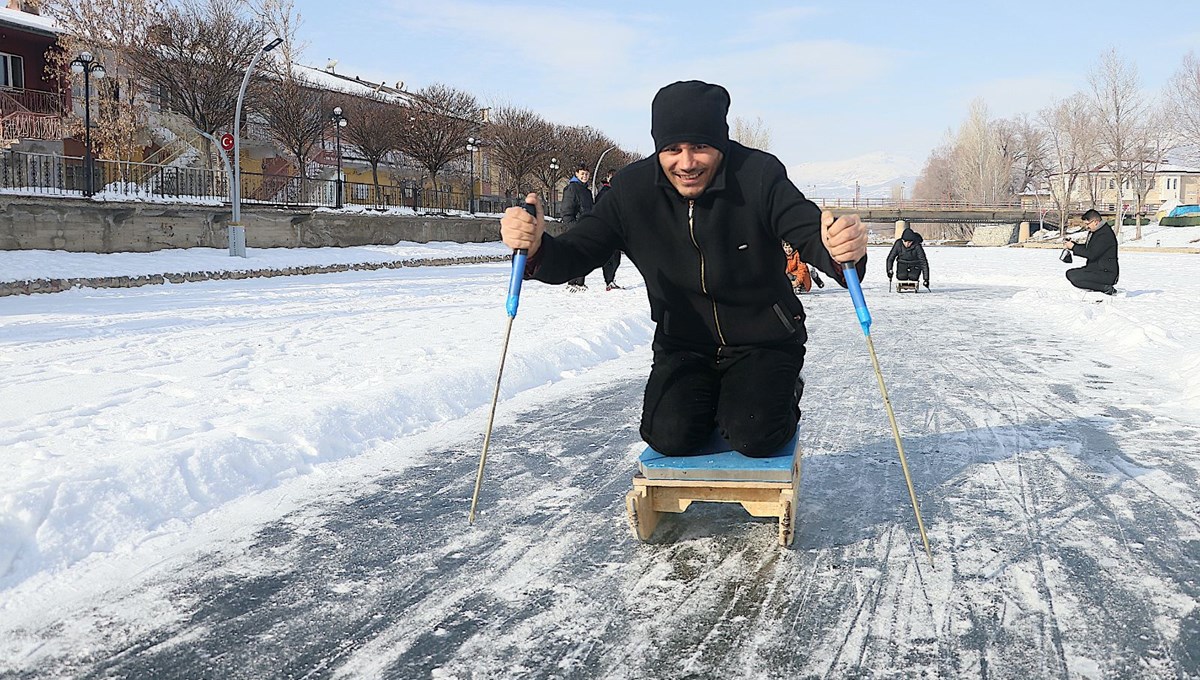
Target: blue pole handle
518 271
860 303
514 281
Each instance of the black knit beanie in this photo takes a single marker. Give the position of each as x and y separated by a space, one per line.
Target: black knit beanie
690 111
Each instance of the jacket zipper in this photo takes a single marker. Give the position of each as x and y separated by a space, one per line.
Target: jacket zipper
703 283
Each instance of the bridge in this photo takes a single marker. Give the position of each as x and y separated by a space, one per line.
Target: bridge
907 212
938 212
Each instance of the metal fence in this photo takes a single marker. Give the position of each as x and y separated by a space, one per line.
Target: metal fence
53 175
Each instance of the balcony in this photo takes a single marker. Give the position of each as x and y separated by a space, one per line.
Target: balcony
20 100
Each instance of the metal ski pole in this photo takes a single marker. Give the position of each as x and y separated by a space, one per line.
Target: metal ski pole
514 298
864 320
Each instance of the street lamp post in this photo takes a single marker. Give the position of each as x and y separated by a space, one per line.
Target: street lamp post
472 147
553 181
339 122
237 232
88 66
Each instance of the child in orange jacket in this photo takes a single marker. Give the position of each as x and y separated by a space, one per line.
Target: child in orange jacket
797 271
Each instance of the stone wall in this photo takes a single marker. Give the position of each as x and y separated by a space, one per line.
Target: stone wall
79 225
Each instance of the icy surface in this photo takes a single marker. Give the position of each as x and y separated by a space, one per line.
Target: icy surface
271 478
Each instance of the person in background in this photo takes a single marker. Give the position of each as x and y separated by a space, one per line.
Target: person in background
1101 271
610 267
577 202
797 271
702 219
909 257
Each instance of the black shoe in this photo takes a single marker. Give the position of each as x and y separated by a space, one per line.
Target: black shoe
1109 291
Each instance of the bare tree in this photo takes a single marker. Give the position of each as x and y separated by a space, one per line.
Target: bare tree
1152 141
1024 149
1069 128
110 30
196 60
557 157
981 171
936 181
439 121
1115 92
617 159
1184 93
280 18
373 128
755 134
519 140
296 115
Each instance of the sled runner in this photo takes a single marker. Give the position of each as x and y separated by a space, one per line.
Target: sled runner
765 487
902 286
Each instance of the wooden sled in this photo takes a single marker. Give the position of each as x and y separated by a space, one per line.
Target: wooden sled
902 286
765 487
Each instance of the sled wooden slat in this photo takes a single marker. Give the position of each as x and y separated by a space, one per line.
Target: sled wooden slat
677 482
910 286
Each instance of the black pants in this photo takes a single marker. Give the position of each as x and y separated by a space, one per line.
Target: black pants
750 395
610 267
1091 279
907 273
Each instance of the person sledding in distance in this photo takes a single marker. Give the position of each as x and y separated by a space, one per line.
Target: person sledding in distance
1100 251
702 220
801 275
909 259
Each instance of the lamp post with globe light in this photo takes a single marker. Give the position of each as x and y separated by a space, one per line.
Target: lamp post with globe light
88 66
472 147
553 181
339 122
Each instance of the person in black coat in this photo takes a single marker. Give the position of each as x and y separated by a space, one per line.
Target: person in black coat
909 256
576 202
610 267
1100 251
702 219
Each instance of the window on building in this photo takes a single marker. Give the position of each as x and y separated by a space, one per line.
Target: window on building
12 71
361 192
1112 184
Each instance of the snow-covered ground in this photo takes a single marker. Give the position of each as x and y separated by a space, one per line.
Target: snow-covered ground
158 439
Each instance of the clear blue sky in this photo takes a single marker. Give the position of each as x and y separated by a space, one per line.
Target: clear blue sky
831 80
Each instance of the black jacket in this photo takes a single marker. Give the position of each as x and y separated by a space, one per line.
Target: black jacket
1100 251
913 256
714 266
576 201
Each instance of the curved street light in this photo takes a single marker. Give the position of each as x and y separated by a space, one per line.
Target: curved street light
596 172
89 67
237 233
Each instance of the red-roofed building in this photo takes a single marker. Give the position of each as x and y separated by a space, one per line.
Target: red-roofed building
32 106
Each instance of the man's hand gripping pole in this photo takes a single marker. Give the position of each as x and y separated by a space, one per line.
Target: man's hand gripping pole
514 298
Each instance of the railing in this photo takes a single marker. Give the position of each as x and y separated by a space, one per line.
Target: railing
34 101
47 174
25 125
41 173
910 204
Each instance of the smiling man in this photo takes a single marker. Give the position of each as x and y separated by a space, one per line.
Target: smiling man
702 220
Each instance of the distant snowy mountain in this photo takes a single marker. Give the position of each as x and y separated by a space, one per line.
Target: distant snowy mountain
876 174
